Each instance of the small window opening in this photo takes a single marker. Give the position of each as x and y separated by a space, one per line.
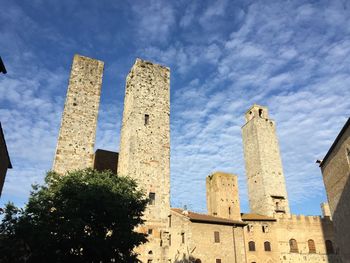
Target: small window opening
216 237
293 245
149 261
183 238
169 240
329 247
150 252
260 113
267 246
251 246
150 231
229 210
152 198
169 217
218 260
311 245
146 119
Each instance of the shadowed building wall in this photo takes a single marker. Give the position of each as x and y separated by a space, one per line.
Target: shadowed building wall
266 183
5 162
75 146
105 160
145 149
335 169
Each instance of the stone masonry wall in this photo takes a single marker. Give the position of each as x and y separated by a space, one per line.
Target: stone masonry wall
75 146
336 177
303 228
223 196
266 183
145 147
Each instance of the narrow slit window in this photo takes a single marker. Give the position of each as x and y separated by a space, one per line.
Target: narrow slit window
216 237
146 119
152 198
183 237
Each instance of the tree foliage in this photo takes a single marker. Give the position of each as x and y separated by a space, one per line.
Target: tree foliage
84 216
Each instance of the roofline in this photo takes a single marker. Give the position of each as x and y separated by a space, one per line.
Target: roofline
261 219
7 153
345 127
233 223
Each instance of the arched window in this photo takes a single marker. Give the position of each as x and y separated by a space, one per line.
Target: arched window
293 246
329 247
267 246
251 246
198 261
311 245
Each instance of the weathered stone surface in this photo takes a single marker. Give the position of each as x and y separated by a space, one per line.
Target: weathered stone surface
76 140
266 183
223 196
336 176
145 148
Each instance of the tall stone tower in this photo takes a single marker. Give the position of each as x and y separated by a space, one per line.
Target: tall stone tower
222 196
75 146
145 149
266 183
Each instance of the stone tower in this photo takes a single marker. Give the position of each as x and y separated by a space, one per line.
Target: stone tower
145 149
75 146
222 196
266 183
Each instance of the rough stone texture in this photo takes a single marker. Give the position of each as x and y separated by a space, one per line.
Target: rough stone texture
199 241
145 147
223 196
5 162
266 183
106 160
326 211
303 228
75 146
336 176
254 233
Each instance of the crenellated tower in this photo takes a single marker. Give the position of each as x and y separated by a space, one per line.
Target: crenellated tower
223 196
266 182
76 140
145 149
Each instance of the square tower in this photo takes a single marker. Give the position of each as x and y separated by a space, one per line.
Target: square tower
222 195
266 183
145 149
76 140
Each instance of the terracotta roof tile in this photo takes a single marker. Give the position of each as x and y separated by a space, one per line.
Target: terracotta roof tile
256 217
203 218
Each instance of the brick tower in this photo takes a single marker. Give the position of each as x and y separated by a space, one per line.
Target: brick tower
222 196
75 146
145 150
266 183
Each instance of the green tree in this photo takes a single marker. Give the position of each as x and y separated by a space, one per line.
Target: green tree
84 216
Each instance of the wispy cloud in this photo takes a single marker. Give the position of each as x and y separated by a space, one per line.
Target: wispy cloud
224 56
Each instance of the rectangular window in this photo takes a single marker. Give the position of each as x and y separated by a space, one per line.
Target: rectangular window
218 260
183 238
146 119
169 240
169 220
216 237
150 231
152 198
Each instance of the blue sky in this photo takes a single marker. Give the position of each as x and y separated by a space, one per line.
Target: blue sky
291 56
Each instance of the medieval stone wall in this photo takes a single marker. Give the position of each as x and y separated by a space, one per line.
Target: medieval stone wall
223 196
266 183
336 177
145 146
76 140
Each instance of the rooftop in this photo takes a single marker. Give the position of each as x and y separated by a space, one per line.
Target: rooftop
203 218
